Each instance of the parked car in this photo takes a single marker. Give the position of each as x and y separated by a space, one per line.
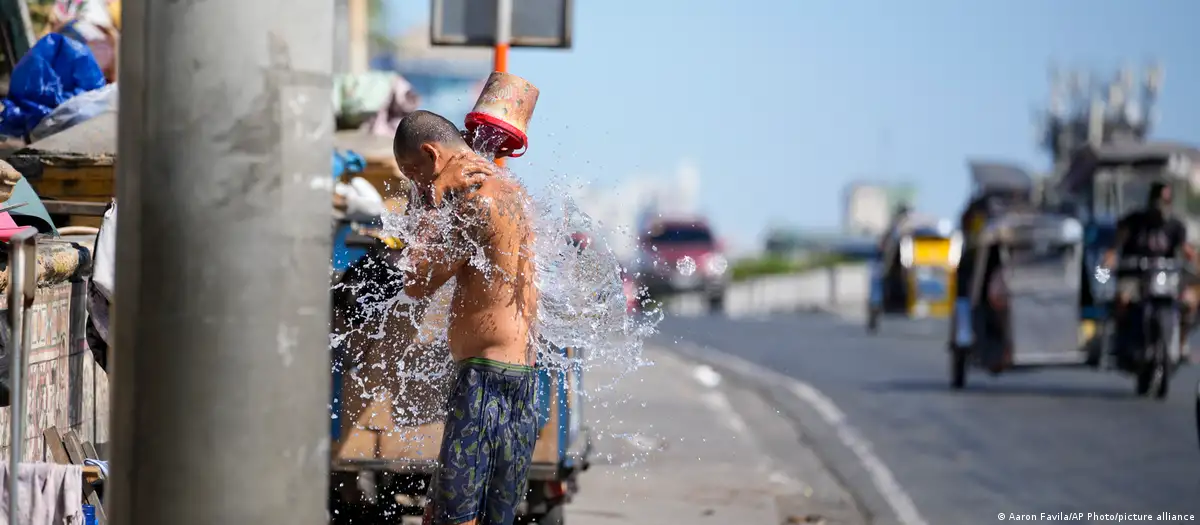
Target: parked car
683 256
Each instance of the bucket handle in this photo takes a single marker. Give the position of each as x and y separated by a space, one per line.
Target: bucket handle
524 148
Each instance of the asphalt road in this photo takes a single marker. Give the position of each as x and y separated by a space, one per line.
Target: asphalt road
678 444
1049 440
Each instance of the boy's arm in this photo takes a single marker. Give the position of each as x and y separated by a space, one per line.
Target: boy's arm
431 260
439 255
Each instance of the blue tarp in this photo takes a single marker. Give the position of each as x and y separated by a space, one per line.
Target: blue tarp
56 69
343 162
346 162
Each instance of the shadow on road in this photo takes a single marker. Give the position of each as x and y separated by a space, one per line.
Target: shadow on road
999 389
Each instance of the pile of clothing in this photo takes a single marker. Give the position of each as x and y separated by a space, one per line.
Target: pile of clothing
96 24
67 77
373 102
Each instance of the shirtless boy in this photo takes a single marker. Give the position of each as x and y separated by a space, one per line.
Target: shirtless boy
491 424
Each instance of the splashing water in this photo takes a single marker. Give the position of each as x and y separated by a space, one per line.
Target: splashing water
686 265
401 346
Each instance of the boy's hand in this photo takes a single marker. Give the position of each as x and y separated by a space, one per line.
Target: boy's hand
462 174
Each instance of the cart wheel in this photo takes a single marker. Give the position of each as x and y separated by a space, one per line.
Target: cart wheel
1155 377
1198 410
1152 378
716 303
958 367
553 516
872 320
1144 377
1162 373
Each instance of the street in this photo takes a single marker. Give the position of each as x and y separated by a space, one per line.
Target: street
1037 441
678 443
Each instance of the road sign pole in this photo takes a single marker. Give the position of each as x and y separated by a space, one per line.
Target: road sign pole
504 15
221 373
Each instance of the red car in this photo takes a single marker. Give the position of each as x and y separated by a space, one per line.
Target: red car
683 256
629 285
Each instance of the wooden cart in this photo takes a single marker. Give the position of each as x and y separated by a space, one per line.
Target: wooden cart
66 390
390 427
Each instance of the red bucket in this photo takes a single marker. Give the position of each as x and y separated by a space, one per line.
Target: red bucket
505 106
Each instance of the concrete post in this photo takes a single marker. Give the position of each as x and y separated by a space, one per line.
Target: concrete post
220 369
833 285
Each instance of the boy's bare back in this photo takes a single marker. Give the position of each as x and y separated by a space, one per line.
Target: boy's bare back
495 300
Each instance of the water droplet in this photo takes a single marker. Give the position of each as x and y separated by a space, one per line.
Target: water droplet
582 304
718 265
686 266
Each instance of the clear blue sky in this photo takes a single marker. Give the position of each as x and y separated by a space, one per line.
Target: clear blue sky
780 103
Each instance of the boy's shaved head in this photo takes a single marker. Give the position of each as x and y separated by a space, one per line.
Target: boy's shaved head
424 127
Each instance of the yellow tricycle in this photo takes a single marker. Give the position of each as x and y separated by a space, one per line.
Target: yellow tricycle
915 274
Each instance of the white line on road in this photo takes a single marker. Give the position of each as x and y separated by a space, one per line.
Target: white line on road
720 404
881 476
706 376
716 400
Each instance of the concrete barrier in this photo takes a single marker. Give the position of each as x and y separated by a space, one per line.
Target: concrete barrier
838 287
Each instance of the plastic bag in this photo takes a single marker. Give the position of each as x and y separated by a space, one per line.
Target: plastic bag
55 70
347 162
78 109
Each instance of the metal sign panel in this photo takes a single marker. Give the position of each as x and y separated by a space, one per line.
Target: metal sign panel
536 23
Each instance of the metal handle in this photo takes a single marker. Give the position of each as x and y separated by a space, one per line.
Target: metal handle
22 285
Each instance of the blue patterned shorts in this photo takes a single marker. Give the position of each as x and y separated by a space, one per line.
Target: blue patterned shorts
491 427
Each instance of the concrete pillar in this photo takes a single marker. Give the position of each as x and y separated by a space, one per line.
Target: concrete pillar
220 370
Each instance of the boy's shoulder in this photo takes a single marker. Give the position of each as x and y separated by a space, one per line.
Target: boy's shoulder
503 195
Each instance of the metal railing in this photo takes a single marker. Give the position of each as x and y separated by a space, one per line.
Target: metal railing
22 287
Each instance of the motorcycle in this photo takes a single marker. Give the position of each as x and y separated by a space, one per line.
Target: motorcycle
1148 342
1198 409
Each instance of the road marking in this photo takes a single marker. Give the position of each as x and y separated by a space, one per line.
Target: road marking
716 400
706 376
721 405
881 476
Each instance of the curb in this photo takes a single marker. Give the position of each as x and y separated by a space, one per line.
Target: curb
824 427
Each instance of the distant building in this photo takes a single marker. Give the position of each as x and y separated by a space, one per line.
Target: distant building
869 206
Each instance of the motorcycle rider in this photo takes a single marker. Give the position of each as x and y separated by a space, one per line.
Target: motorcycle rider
983 206
1153 232
895 225
893 287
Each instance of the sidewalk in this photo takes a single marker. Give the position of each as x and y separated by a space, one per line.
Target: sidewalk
677 444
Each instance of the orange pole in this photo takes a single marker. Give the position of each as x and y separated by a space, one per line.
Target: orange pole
500 59
500 64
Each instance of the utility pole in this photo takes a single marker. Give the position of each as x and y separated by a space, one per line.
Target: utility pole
359 18
220 377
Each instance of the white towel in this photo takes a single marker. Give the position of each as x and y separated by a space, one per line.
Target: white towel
51 494
104 255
